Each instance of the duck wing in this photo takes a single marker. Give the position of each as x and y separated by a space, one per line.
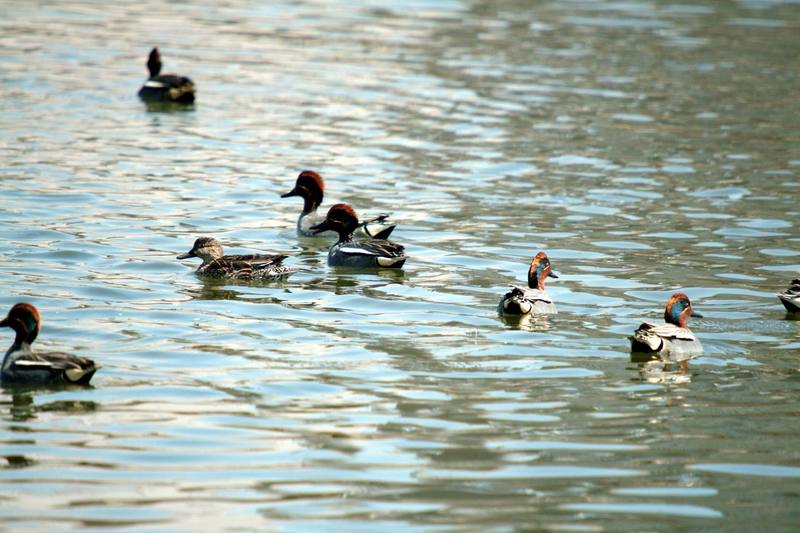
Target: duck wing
373 247
532 295
166 88
247 266
170 81
650 337
386 254
255 259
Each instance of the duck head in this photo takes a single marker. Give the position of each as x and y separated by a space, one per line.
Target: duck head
206 248
679 309
310 187
154 63
539 270
342 219
24 319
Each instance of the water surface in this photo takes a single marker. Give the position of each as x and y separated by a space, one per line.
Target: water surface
647 147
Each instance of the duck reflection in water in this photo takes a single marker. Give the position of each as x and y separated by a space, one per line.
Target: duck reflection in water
528 322
23 406
225 289
664 372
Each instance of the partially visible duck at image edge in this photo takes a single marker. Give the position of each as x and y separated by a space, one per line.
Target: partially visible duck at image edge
790 298
23 367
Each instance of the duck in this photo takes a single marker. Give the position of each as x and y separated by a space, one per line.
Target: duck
23 367
243 267
311 188
790 298
165 87
532 299
370 253
673 338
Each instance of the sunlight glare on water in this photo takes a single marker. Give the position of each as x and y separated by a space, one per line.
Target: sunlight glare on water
647 147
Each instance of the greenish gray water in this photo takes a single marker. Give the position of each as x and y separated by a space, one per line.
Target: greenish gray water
647 147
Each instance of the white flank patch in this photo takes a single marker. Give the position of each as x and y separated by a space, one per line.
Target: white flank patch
26 362
359 251
154 84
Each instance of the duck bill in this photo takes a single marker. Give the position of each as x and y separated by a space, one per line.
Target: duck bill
187 255
4 323
293 192
552 275
695 314
319 228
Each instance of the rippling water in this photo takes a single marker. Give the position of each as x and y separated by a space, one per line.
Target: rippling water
647 147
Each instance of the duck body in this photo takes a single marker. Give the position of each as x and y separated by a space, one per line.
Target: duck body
525 301
23 367
672 338
665 339
240 267
371 253
790 298
165 87
311 188
532 299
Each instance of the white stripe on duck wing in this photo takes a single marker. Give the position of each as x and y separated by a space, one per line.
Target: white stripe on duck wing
790 298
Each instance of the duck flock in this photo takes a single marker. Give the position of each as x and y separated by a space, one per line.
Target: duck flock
359 245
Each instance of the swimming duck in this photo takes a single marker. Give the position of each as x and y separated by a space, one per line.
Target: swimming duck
379 253
790 298
165 87
245 267
673 338
310 187
531 300
23 367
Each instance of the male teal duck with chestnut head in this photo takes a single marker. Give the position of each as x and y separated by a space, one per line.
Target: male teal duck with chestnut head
531 299
369 253
23 367
673 338
311 188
